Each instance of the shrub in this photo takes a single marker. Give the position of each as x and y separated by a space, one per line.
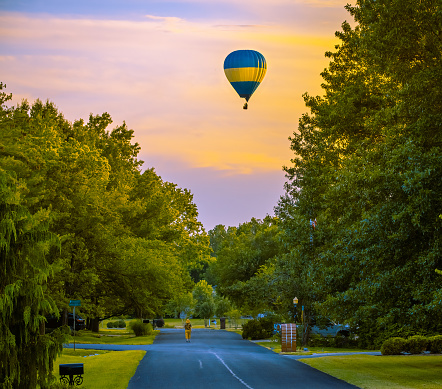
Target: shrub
116 324
341 341
267 326
255 329
393 346
159 323
252 330
139 328
316 340
435 344
416 344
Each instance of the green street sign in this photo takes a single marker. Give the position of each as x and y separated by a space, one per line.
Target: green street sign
74 303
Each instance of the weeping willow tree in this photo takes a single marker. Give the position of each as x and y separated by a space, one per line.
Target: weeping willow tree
26 353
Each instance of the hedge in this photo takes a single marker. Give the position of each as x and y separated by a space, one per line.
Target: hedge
414 345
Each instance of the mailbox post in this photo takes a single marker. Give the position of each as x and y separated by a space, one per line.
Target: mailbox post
71 370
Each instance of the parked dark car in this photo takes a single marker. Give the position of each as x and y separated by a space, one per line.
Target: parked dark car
53 322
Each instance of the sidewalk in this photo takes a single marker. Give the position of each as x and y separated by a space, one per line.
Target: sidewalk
319 355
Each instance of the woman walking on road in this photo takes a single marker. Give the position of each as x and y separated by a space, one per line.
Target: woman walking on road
188 330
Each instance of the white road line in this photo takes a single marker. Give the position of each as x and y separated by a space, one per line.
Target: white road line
231 372
201 364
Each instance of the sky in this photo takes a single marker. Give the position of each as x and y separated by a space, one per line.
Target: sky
158 66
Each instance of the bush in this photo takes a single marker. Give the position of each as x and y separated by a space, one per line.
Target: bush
267 326
159 323
338 341
258 329
116 324
139 328
252 330
416 344
393 346
317 340
435 344
341 341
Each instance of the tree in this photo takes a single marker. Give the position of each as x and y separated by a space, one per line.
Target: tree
181 305
26 354
203 297
128 239
222 306
368 168
242 255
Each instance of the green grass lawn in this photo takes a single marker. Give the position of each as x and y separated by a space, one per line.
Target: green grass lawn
108 370
112 337
376 372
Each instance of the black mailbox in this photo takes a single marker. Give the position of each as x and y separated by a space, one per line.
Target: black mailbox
71 370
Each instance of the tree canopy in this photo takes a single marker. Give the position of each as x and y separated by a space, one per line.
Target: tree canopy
357 235
126 241
367 167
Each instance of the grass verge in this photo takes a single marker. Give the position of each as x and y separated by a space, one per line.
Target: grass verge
276 347
118 337
107 370
377 372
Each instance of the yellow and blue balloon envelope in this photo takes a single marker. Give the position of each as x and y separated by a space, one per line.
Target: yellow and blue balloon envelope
245 69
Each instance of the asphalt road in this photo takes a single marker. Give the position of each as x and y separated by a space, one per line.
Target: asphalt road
217 360
222 360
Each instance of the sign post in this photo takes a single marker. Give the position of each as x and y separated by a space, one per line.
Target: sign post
74 303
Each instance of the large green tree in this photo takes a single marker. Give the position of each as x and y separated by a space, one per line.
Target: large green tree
243 256
26 354
204 301
129 240
368 168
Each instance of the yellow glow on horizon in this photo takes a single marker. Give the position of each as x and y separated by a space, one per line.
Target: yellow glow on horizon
165 77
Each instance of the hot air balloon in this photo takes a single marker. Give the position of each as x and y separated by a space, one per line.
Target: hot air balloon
245 69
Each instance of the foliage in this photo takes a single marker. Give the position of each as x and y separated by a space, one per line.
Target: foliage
416 344
203 297
261 328
129 240
124 337
234 316
244 258
367 168
393 346
435 344
139 328
116 324
26 355
181 305
222 306
81 220
159 323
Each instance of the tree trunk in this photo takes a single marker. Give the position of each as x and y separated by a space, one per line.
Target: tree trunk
64 316
95 324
